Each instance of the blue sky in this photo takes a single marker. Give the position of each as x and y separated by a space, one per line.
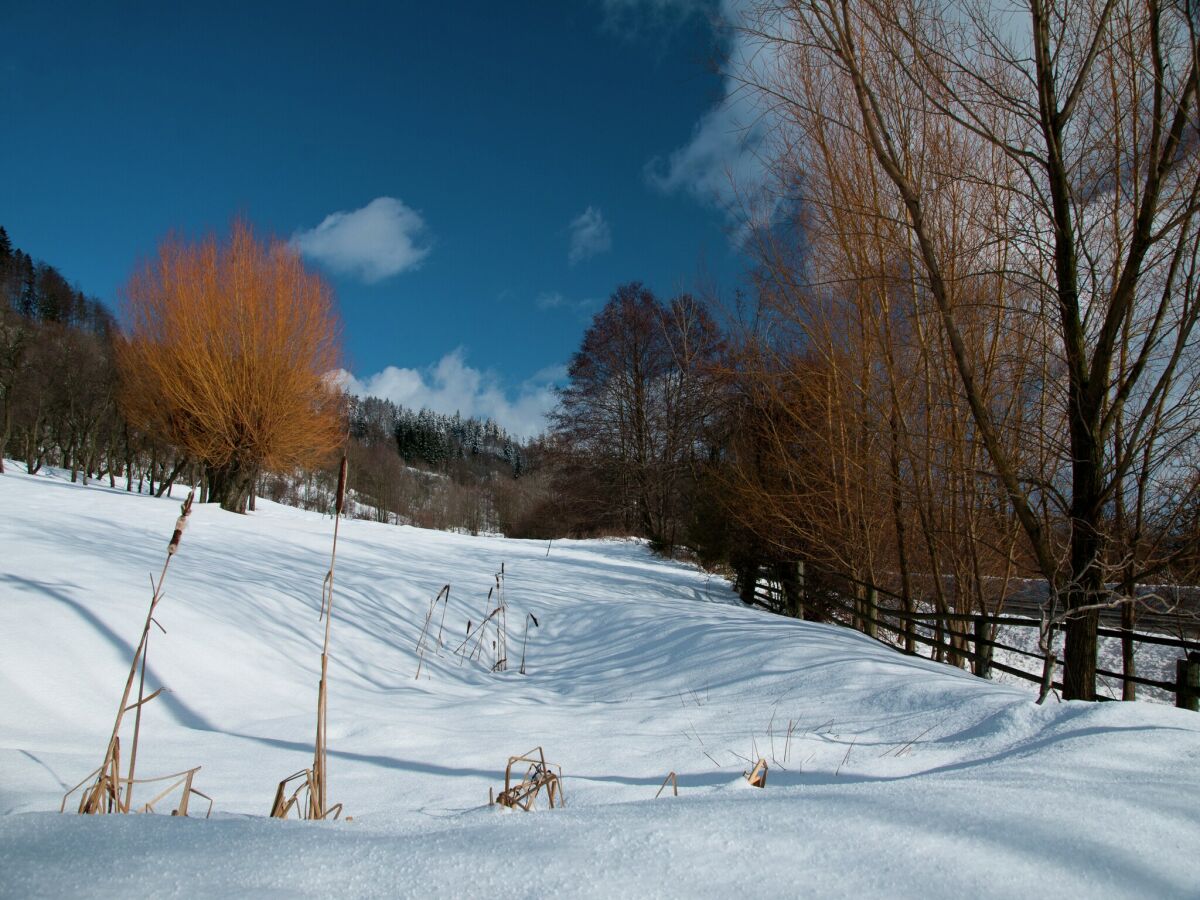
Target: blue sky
474 178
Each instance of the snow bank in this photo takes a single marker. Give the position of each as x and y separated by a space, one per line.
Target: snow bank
890 775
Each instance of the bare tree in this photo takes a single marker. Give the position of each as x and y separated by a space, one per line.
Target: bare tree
1045 165
641 388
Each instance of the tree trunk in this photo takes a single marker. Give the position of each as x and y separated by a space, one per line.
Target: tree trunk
1087 582
1129 665
229 485
4 433
33 460
165 487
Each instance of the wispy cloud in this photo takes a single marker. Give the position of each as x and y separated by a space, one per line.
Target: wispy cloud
590 235
550 300
451 385
382 239
725 163
556 300
633 17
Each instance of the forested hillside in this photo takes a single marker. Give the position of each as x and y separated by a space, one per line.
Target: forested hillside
59 405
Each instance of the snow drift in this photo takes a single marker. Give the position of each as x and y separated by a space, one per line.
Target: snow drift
890 775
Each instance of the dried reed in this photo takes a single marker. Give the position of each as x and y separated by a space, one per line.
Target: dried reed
105 795
758 775
315 779
538 776
525 642
444 596
497 617
670 779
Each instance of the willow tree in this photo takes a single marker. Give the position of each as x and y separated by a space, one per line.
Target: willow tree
1049 147
225 356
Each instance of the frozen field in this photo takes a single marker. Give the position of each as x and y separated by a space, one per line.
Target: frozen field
900 777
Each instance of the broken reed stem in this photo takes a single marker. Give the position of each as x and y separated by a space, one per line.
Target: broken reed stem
670 779
523 795
110 768
902 750
846 757
757 776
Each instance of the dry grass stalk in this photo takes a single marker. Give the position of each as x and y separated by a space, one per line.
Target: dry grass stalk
525 642
670 779
497 617
112 792
539 774
444 596
464 650
500 644
316 805
787 742
758 775
845 758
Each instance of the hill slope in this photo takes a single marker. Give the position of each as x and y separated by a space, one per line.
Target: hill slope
900 777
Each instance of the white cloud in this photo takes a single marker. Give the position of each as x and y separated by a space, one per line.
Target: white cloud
725 164
550 300
590 235
556 300
382 239
451 385
628 17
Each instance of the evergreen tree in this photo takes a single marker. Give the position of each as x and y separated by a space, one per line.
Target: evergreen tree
28 304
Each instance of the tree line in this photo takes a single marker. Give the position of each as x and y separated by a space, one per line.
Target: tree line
973 357
189 404
57 383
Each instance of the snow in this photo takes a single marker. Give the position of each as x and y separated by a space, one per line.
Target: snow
901 777
1155 661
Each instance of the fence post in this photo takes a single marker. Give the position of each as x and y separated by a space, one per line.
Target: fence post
747 581
910 643
871 613
801 590
983 650
1187 682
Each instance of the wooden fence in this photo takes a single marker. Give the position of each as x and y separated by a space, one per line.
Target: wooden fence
958 637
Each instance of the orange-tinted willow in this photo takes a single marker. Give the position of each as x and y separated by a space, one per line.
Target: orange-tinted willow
226 356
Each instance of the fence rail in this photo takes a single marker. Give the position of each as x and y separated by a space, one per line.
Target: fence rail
860 609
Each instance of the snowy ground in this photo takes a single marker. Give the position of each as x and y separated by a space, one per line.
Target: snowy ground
902 777
1153 661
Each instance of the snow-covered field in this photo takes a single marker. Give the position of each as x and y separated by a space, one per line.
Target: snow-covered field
902 777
